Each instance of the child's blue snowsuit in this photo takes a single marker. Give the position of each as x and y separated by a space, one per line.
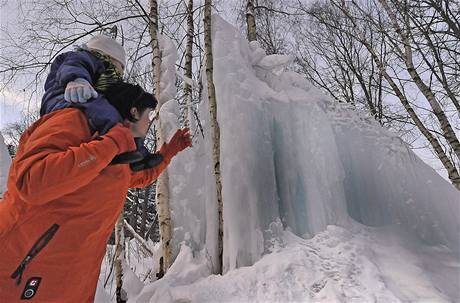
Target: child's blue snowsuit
67 67
102 116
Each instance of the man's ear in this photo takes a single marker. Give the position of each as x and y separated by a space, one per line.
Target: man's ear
135 113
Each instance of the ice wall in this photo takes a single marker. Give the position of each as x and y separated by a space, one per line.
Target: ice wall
191 181
290 156
5 161
386 183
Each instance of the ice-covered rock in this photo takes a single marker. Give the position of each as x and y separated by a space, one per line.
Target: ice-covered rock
289 153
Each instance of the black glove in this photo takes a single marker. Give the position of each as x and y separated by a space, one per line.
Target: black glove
151 160
134 156
126 158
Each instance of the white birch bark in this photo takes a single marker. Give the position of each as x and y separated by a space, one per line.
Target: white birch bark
119 248
162 190
138 238
188 63
214 128
251 20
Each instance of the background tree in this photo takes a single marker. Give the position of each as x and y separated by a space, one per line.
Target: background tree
367 55
251 21
119 254
188 68
13 131
332 59
162 189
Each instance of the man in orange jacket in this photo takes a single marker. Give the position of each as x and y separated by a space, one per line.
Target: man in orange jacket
64 198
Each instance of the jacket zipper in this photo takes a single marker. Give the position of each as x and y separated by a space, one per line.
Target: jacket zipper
36 248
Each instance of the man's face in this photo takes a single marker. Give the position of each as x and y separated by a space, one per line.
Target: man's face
140 127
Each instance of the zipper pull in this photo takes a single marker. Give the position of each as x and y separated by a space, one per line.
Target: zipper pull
18 272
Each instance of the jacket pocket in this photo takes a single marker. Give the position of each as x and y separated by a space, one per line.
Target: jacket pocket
36 248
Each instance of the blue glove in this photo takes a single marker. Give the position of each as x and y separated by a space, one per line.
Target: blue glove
79 90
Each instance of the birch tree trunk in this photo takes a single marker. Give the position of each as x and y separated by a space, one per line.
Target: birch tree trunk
251 20
138 237
214 128
438 68
188 63
134 206
119 247
162 191
144 215
446 128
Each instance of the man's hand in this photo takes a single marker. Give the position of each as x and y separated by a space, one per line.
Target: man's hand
180 141
79 90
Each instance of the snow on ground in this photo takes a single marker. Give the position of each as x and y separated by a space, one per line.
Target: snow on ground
139 267
364 264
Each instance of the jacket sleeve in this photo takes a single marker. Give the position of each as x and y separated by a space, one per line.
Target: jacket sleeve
101 115
56 161
143 178
80 64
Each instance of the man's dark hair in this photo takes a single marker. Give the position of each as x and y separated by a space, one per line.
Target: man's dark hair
124 96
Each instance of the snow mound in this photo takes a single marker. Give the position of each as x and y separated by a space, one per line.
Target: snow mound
364 264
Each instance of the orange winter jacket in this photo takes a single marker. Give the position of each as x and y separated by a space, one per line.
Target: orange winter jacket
62 202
